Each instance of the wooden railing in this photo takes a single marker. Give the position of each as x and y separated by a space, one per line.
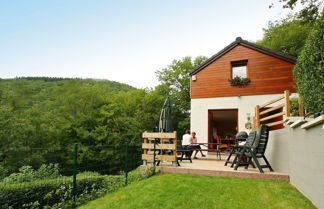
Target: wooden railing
159 147
274 115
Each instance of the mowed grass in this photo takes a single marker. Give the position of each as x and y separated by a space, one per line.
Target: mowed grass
177 191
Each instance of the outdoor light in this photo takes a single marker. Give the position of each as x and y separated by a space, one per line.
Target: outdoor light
248 116
248 124
194 78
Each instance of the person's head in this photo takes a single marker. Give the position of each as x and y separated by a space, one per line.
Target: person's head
193 134
187 131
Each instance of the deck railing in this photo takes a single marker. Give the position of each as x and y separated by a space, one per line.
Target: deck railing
273 115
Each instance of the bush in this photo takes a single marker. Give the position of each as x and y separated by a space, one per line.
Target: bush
309 69
140 174
3 172
27 174
57 193
294 107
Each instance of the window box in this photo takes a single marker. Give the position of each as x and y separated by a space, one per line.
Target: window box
240 82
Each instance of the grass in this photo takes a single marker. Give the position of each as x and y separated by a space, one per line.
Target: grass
177 191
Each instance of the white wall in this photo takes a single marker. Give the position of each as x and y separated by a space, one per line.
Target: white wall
300 153
244 104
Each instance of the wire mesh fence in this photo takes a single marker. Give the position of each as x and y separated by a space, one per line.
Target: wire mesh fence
70 175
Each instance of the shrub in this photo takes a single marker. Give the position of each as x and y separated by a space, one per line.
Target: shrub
27 174
3 172
25 194
294 107
309 69
140 174
47 171
46 193
57 193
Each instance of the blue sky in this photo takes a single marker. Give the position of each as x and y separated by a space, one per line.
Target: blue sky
124 41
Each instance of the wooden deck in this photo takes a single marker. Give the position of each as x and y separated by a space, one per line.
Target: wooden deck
212 167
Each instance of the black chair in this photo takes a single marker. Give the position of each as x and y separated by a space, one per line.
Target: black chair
255 151
249 142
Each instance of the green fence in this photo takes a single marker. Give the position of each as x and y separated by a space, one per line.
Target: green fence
72 175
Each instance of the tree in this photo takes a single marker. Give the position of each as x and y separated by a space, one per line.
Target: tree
309 70
309 13
176 78
41 119
175 82
288 36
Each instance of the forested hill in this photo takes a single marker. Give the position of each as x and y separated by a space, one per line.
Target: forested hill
112 85
54 113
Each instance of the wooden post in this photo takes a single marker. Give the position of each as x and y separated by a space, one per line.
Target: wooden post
253 124
257 116
145 151
301 106
287 103
174 163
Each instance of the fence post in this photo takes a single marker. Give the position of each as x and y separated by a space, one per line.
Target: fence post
287 103
257 116
126 163
154 154
75 156
301 106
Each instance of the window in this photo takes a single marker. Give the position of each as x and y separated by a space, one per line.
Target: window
239 69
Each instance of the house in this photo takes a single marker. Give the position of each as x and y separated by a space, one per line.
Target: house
217 108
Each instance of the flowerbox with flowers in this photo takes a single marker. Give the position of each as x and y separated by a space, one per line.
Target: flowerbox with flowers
240 82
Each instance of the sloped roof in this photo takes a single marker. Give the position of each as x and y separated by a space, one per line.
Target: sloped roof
240 41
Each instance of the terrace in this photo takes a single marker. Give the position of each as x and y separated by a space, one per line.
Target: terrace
295 144
161 151
210 166
271 113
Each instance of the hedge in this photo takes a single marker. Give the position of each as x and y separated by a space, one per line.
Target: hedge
294 107
309 69
57 193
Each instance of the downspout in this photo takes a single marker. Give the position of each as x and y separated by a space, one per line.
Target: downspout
190 87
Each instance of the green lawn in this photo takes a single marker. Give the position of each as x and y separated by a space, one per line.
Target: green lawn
177 191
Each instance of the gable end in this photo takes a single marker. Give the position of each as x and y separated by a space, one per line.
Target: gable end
240 41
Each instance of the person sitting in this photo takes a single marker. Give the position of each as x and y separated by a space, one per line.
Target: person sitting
186 144
195 146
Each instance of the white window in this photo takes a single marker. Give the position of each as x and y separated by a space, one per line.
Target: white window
239 69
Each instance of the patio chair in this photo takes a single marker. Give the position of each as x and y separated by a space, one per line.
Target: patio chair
249 142
255 151
221 146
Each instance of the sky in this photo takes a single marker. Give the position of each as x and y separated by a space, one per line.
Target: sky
124 41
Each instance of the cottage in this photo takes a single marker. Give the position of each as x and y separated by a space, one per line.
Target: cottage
226 88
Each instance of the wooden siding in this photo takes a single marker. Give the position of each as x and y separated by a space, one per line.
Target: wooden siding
268 74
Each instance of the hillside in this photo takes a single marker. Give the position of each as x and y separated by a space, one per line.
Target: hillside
111 85
41 119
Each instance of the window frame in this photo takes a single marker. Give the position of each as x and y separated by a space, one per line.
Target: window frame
239 63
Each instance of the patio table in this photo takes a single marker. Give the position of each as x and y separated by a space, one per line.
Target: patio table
217 150
231 142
